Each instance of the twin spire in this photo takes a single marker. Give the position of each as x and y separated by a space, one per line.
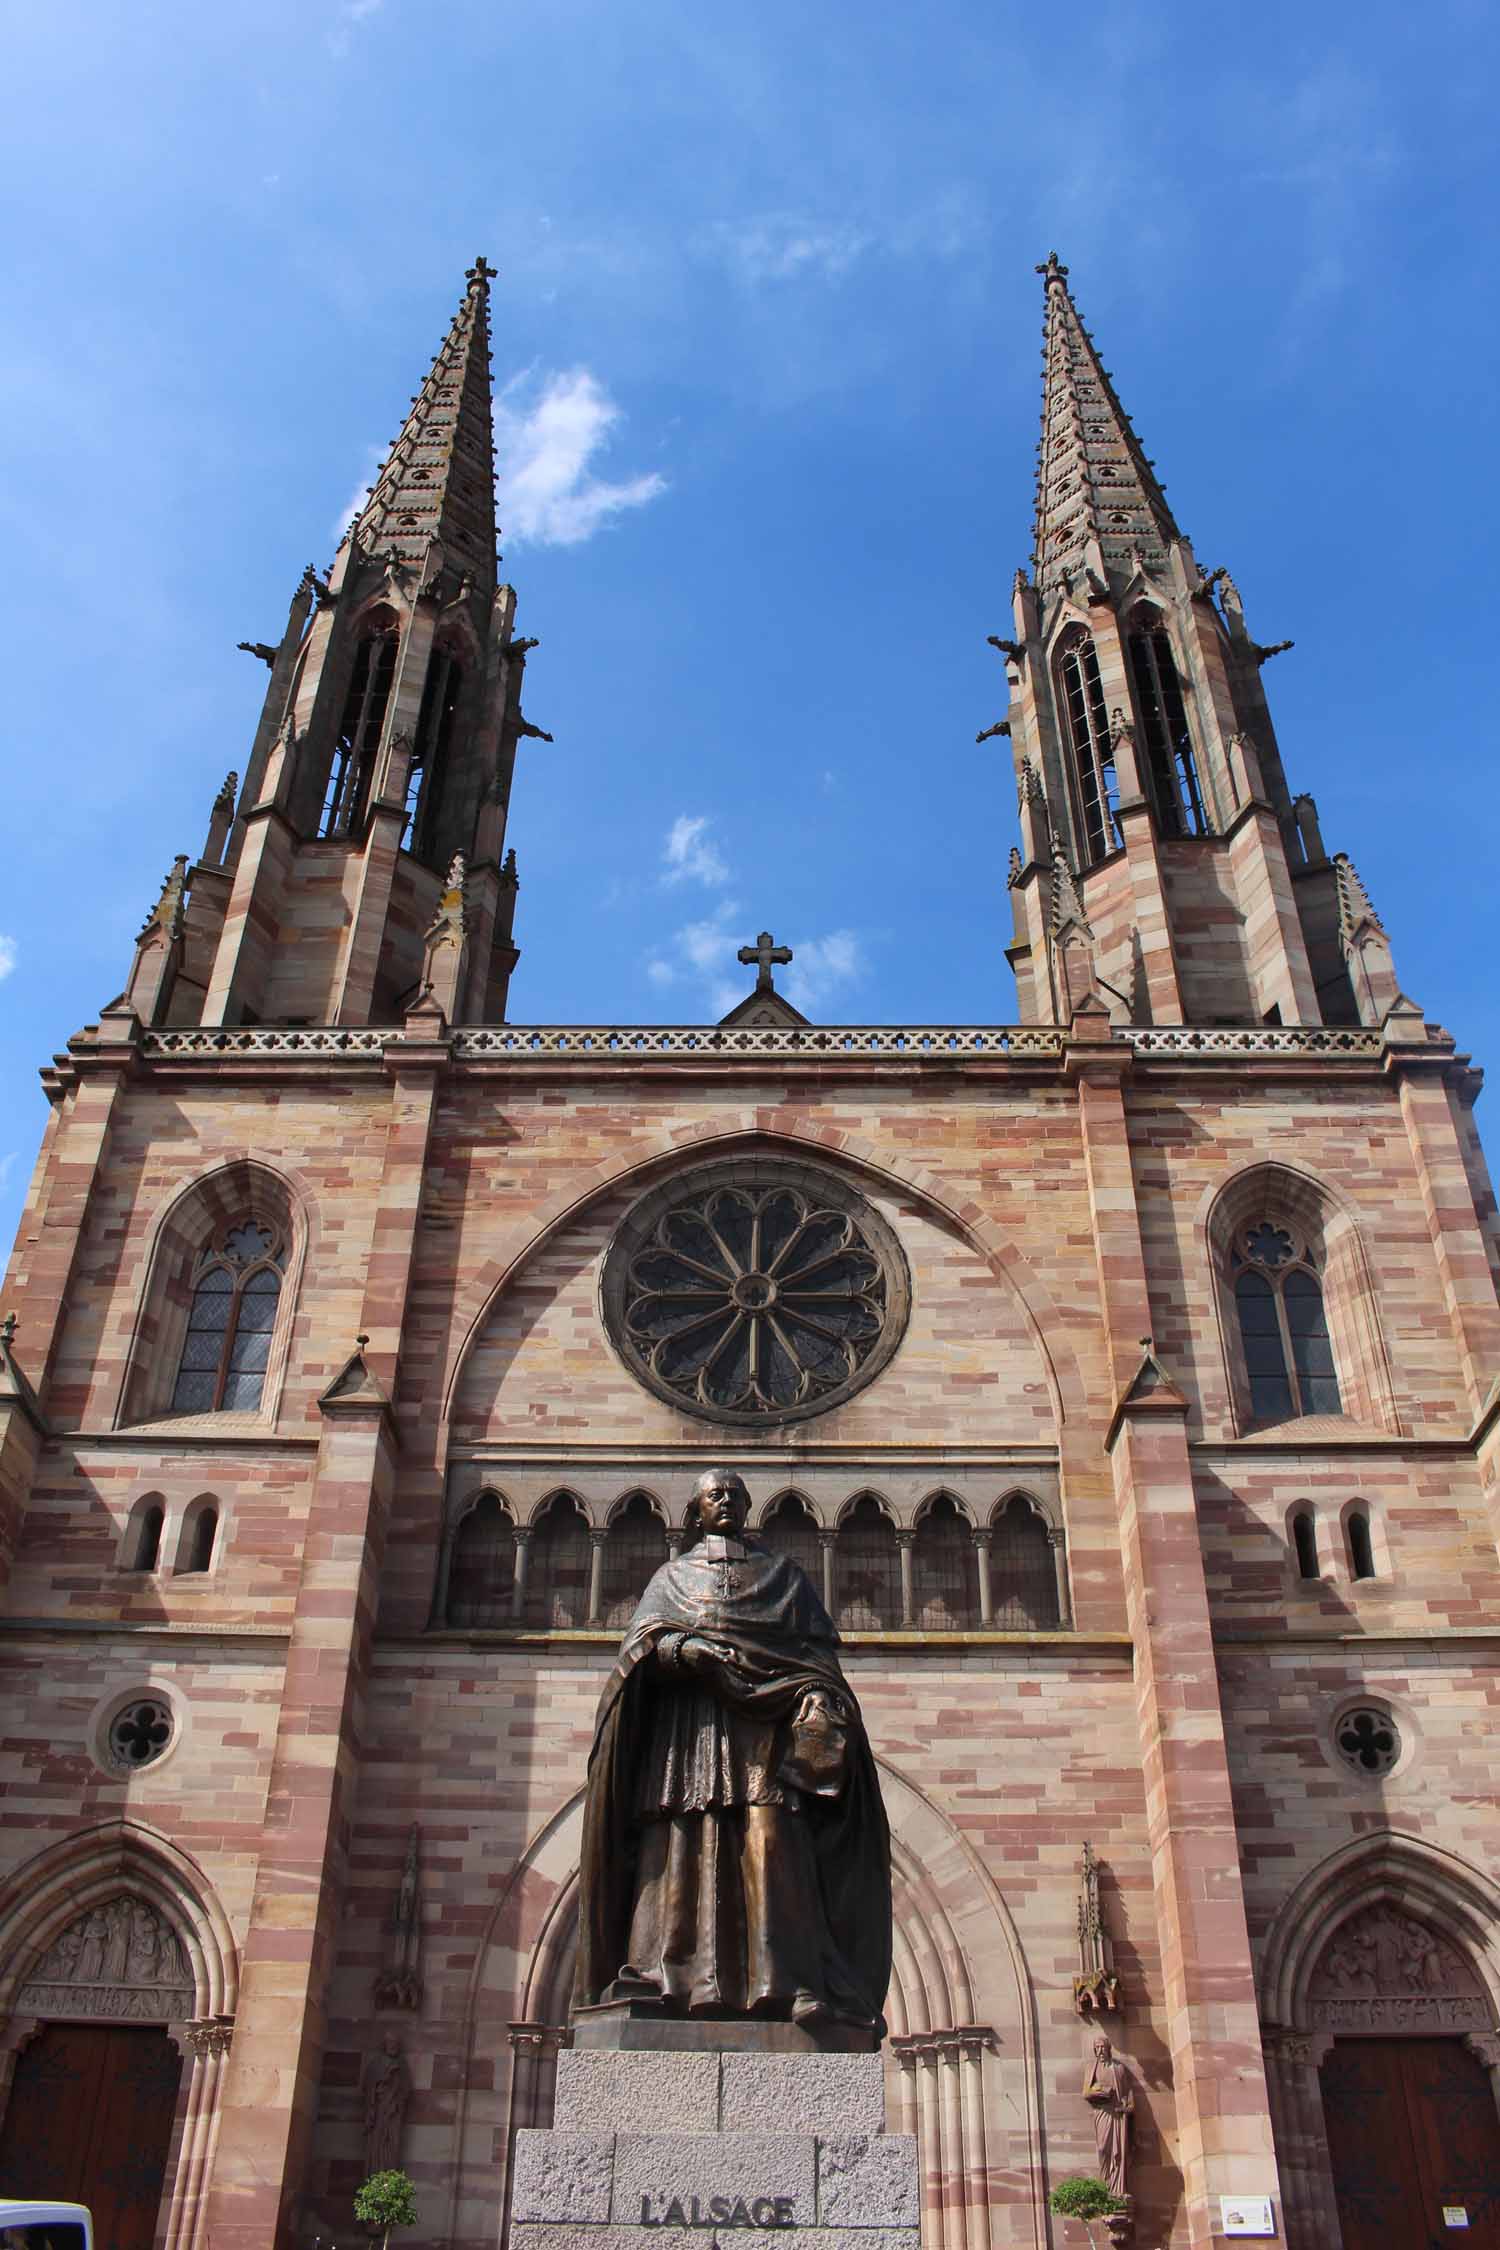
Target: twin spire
1097 496
438 480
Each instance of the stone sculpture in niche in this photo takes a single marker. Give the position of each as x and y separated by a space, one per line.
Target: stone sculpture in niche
1110 2095
736 1858
387 2092
399 1984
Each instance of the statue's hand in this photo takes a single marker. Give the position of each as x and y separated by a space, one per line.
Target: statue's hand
709 1661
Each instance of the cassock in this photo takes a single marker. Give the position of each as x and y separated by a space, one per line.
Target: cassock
736 1857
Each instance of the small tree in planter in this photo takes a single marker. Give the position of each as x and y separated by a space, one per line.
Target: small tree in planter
386 2200
1081 2196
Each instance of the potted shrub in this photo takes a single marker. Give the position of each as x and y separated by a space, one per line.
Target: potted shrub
386 2200
1083 2197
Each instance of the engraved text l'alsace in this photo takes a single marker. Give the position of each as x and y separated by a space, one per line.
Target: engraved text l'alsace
721 2211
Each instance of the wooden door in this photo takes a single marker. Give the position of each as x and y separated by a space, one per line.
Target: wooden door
1412 2129
90 2121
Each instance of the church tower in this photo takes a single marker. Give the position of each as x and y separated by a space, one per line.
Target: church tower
362 870
1164 863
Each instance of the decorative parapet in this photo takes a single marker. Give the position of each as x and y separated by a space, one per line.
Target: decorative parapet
646 1043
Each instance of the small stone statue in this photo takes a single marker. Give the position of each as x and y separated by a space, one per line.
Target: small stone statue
387 2092
1109 2093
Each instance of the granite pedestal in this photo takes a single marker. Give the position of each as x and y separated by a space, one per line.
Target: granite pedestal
745 2146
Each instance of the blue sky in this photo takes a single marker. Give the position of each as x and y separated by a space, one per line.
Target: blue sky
767 334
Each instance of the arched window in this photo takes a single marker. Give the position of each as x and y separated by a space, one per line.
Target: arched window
424 781
1305 1541
1023 1576
195 1541
1080 696
482 1572
235 1292
361 727
869 1569
790 1529
140 1549
557 1585
1171 773
1361 1546
1283 1331
635 1547
945 1573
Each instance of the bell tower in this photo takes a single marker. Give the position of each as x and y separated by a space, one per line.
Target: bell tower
1164 864
362 868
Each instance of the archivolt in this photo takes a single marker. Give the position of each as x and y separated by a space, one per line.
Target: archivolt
47 1891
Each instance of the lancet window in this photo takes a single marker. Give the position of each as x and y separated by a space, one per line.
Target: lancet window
1171 772
361 728
557 1586
482 1573
635 1547
424 784
1305 1543
945 1571
141 1547
1361 1545
869 1569
1278 1294
789 1529
225 1352
1023 1572
1081 698
197 1538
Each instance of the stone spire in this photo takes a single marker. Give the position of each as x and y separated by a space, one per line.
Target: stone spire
1099 506
437 484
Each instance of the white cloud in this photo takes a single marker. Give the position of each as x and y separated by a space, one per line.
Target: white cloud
703 959
374 455
547 432
820 965
7 957
781 247
348 16
689 854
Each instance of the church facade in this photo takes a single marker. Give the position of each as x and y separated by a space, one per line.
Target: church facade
1122 1375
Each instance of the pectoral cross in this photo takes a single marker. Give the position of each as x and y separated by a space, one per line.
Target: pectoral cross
763 953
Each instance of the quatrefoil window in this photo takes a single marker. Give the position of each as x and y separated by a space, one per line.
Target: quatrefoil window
1367 1740
755 1292
140 1734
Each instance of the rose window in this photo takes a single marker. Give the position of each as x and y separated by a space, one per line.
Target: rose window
1367 1740
755 1292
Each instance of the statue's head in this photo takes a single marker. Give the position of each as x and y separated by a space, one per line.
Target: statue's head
720 1500
1102 2047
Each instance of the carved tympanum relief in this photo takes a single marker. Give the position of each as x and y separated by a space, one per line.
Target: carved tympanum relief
1383 1971
119 1960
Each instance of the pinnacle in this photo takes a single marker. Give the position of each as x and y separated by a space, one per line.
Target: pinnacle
1096 488
437 482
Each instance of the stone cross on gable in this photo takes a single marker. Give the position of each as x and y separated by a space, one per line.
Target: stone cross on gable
763 953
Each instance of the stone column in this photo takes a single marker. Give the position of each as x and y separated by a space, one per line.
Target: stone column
523 1564
906 1540
1058 1542
1222 2133
598 1541
982 1563
826 1543
1485 2047
203 2046
1293 2060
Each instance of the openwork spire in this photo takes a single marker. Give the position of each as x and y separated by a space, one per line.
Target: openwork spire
438 480
1097 499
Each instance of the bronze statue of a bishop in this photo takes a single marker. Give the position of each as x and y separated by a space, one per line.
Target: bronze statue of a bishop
736 1858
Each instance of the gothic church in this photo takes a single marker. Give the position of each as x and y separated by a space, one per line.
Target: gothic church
1122 1374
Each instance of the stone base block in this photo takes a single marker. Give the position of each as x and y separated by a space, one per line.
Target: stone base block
737 2149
